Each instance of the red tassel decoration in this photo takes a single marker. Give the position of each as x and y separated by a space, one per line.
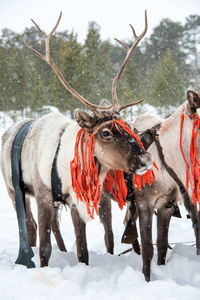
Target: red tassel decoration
193 172
84 174
118 189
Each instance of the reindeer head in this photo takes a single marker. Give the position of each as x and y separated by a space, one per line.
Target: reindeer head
115 148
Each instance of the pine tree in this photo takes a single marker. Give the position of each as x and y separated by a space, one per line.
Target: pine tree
168 88
93 62
192 34
70 63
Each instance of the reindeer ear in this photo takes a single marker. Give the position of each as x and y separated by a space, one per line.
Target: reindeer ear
193 99
84 119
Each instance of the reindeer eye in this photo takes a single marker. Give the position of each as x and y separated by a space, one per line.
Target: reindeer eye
106 133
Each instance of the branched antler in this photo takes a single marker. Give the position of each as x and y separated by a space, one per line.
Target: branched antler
116 106
47 57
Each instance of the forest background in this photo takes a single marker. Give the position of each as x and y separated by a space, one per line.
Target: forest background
162 68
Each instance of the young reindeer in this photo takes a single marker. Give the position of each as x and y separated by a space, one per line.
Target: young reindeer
176 151
82 153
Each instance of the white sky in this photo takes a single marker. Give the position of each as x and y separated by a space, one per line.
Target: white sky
113 16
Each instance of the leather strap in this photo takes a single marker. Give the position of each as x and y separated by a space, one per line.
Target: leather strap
56 184
25 251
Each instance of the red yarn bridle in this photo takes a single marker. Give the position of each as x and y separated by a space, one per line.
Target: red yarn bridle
84 174
192 170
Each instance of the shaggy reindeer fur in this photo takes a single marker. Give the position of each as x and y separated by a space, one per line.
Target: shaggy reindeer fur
117 151
159 195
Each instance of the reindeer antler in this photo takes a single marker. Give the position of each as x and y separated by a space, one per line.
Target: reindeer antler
116 105
48 59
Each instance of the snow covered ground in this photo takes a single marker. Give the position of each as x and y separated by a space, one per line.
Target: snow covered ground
107 276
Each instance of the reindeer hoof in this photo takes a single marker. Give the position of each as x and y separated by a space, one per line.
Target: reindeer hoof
147 278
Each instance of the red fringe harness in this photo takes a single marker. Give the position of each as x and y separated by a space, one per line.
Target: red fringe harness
84 174
193 172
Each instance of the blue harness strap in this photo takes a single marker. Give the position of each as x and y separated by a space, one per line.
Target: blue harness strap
25 251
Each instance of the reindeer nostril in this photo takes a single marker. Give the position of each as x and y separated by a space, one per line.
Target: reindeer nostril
143 163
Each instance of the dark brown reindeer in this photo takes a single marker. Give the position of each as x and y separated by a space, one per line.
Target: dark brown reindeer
180 130
51 142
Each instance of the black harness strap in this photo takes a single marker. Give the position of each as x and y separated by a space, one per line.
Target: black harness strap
56 184
25 251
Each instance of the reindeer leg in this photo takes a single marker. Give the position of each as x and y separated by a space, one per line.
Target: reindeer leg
44 221
55 226
130 235
31 224
136 247
192 209
80 232
105 216
195 224
145 221
163 219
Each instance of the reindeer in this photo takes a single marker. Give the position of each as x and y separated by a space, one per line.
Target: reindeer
171 150
81 152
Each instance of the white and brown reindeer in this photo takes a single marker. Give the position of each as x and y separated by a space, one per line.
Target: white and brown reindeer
105 143
175 150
